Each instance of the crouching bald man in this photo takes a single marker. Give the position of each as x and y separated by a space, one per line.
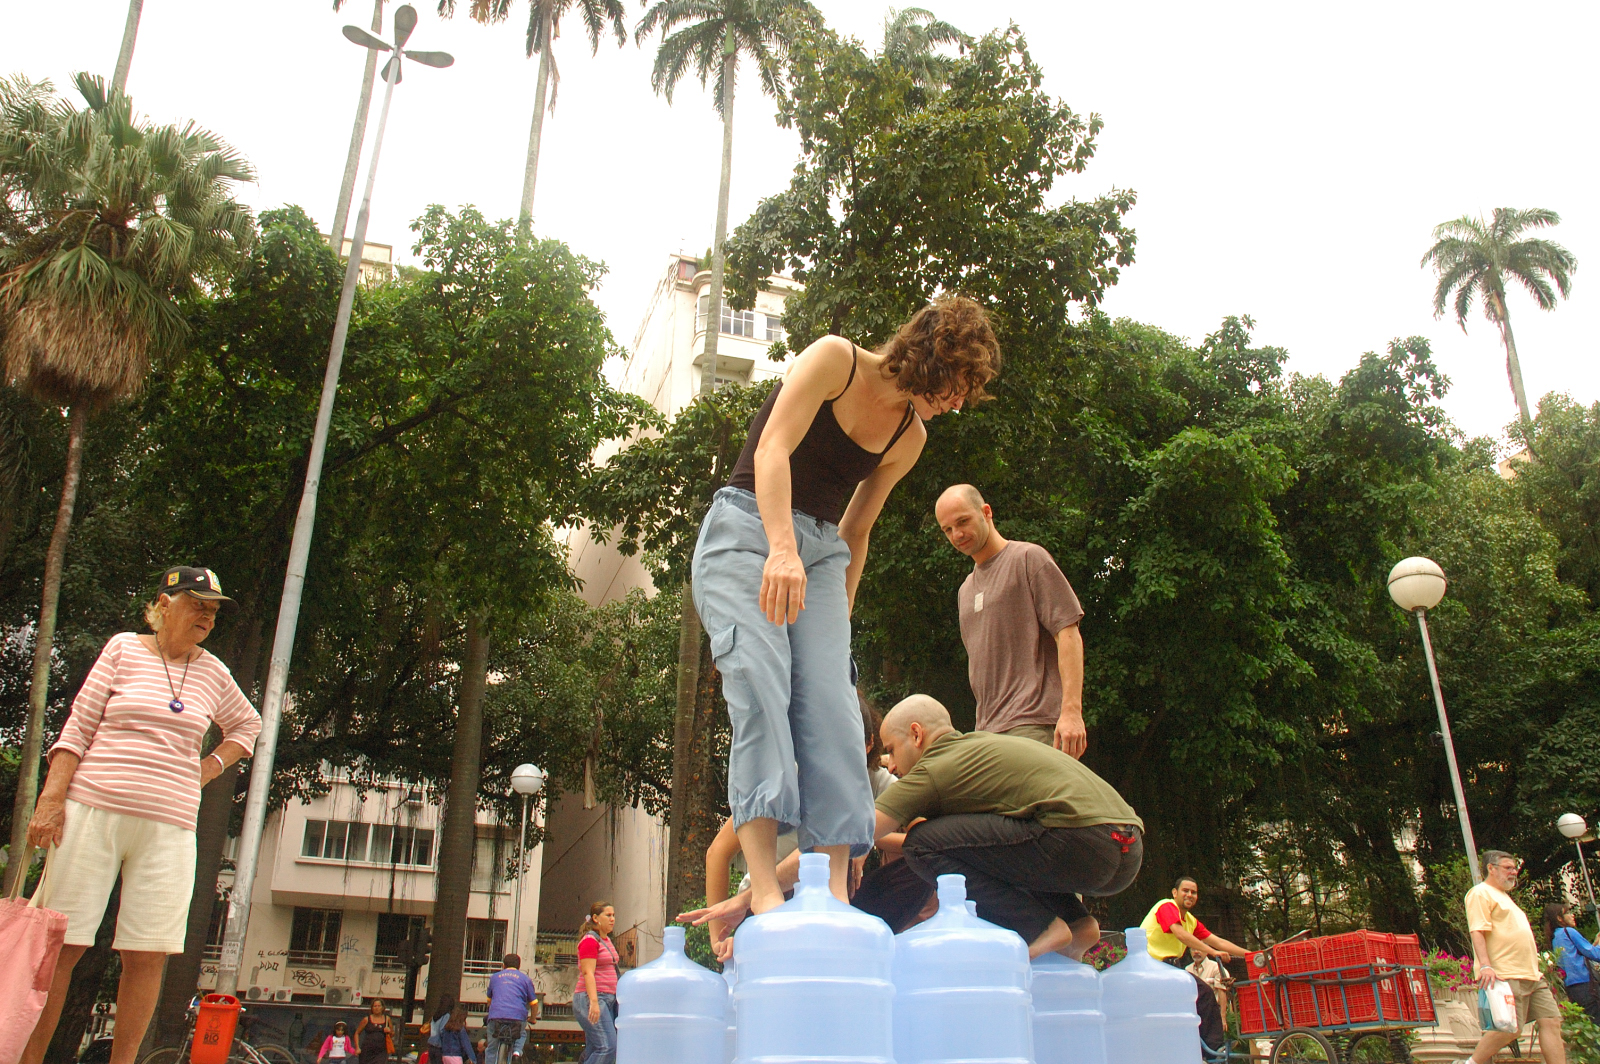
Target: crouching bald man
1030 827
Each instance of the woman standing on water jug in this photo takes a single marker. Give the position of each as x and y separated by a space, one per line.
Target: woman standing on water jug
780 556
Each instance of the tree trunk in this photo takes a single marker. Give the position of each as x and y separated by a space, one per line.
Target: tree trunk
459 834
358 137
182 977
130 31
708 378
88 977
680 858
44 643
530 173
1513 367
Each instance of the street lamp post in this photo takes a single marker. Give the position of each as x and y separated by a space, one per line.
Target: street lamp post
528 781
1417 585
1573 826
255 809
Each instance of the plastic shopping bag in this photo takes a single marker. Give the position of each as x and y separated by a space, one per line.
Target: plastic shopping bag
1497 1008
32 937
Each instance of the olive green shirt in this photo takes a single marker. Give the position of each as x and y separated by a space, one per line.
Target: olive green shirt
984 773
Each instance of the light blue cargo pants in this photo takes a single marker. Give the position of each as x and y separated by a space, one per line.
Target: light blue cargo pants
797 743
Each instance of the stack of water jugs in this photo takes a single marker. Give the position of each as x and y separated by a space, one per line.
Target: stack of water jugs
818 982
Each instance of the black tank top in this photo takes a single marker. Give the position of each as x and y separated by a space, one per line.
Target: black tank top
826 466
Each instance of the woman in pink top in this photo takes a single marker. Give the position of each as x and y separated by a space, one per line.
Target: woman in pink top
594 1003
123 793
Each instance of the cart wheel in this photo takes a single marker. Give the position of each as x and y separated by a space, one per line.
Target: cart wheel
1377 1047
1300 1046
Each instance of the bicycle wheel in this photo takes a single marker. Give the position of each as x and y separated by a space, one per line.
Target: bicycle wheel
1300 1046
274 1054
1377 1047
164 1055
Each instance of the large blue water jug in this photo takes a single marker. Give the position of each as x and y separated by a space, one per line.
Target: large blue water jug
730 973
1149 1007
813 982
672 1011
961 988
1068 1025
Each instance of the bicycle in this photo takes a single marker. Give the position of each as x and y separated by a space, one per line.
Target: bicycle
241 1053
505 1033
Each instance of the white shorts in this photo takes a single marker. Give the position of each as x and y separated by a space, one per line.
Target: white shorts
157 865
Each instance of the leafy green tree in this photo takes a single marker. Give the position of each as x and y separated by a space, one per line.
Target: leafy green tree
1475 259
118 218
544 26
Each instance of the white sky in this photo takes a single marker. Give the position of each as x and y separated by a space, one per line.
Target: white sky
1290 159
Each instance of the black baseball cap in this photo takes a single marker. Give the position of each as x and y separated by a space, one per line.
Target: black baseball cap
201 583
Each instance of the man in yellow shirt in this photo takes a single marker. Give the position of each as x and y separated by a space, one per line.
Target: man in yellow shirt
1504 948
1171 927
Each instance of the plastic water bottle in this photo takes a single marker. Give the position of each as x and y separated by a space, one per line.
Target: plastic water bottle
814 980
672 1011
1068 1026
961 988
1149 1007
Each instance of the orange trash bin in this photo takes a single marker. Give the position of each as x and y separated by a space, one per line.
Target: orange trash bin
213 1030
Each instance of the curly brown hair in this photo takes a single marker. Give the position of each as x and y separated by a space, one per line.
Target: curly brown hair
946 349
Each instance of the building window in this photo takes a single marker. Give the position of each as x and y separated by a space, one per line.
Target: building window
700 313
738 322
393 929
486 946
314 938
489 864
343 840
219 924
775 328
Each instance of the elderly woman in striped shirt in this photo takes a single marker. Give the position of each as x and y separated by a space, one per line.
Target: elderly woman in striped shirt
124 790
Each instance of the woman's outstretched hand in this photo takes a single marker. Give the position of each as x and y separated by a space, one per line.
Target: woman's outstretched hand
730 913
783 586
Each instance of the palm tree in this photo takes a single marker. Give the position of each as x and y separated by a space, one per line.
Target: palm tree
910 36
130 33
1473 257
544 26
710 35
117 218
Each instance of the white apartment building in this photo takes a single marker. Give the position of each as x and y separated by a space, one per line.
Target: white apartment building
604 853
342 879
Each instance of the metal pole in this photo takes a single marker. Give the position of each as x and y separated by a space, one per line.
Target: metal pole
1449 750
255 807
522 859
1587 886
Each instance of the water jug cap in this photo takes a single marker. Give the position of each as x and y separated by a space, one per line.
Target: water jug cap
672 939
814 870
1136 939
972 907
953 891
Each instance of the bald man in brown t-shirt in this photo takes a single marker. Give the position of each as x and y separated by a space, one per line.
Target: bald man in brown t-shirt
1019 621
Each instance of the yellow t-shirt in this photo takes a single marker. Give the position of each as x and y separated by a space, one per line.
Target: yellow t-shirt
1513 953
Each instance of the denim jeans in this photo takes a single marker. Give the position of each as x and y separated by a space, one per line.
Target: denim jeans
599 1039
497 1032
796 753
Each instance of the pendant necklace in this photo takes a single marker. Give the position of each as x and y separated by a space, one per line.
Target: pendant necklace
176 705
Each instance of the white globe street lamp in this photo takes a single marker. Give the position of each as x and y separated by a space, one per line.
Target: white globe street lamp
1417 585
1573 826
528 781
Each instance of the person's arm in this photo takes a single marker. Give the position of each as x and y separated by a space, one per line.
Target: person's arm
884 825
327 1044
50 811
1221 947
1200 946
1072 737
1480 957
866 503
818 374
1580 946
226 753
88 709
586 973
719 856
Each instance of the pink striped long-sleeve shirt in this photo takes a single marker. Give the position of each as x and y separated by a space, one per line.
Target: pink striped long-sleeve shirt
136 755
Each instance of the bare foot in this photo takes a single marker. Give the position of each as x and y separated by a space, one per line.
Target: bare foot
761 902
1054 937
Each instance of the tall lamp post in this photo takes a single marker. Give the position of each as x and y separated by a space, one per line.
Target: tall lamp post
255 808
528 781
1573 826
1417 585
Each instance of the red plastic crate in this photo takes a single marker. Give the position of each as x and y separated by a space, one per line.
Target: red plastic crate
1258 1008
1416 996
1294 958
1402 997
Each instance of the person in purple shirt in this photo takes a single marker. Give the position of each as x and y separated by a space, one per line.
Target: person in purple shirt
513 1004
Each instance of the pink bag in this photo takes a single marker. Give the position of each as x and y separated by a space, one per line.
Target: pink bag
30 944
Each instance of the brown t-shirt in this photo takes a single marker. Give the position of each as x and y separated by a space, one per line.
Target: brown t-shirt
1012 606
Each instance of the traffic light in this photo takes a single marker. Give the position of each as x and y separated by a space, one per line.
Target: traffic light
421 945
403 953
